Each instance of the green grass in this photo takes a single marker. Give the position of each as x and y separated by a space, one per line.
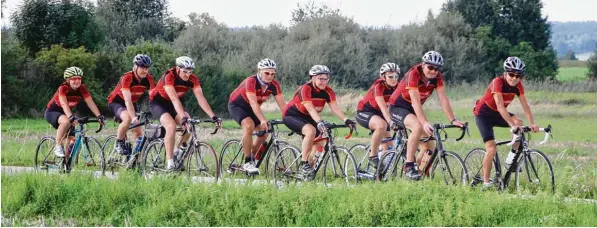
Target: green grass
572 73
81 200
571 109
571 63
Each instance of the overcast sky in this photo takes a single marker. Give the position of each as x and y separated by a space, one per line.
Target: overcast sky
238 13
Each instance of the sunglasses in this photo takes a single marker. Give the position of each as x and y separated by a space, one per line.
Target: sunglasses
76 78
323 79
269 73
515 75
432 68
392 76
187 71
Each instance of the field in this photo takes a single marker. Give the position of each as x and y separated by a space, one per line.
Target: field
81 200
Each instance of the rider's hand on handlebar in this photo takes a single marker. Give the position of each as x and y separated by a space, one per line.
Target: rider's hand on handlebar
218 121
457 123
428 128
101 119
184 123
534 127
264 124
321 126
135 121
515 129
350 123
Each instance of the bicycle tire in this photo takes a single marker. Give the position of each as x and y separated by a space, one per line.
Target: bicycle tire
203 162
530 169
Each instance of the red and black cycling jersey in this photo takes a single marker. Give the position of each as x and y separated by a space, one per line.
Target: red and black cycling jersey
136 85
309 93
73 96
498 85
379 89
251 85
414 79
172 79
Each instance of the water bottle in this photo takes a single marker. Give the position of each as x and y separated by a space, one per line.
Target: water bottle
138 144
181 151
318 154
260 152
509 159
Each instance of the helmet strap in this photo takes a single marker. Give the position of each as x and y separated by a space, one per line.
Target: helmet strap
261 80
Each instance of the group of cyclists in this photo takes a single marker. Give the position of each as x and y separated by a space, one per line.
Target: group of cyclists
393 100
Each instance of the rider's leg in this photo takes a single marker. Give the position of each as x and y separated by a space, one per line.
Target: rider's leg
378 125
259 140
187 135
247 142
170 125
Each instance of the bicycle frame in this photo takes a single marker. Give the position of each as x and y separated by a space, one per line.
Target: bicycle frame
522 150
179 163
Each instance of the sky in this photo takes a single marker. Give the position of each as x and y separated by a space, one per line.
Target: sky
240 13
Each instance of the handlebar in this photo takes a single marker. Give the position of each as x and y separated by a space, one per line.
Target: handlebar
86 120
527 129
437 127
198 121
270 127
331 126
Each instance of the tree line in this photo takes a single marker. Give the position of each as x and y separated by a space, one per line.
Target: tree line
48 36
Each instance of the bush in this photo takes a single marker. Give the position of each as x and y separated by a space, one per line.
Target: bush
592 64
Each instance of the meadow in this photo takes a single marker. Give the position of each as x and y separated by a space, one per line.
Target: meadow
81 200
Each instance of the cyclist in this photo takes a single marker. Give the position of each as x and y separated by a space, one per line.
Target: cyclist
490 111
123 99
245 107
58 110
301 114
165 103
406 107
373 112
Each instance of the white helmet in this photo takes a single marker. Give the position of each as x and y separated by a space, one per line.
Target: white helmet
433 58
514 64
266 64
185 62
389 67
319 69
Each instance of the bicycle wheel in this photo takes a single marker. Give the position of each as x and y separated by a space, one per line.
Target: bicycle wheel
450 169
339 168
286 166
232 159
474 166
360 152
91 154
112 157
270 158
44 155
203 162
392 166
535 173
154 159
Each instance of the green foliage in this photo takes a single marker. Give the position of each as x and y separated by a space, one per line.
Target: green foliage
14 62
52 62
41 23
82 200
592 64
126 21
510 28
540 64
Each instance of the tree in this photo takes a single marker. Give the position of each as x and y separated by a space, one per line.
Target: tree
309 10
570 55
41 23
129 20
592 64
504 24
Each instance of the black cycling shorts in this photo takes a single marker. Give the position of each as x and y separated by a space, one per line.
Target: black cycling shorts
364 117
296 121
52 117
158 108
398 114
117 108
239 113
485 123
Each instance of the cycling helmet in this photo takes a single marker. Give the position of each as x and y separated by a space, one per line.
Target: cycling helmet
142 60
514 64
72 71
185 62
389 67
433 58
266 64
319 69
